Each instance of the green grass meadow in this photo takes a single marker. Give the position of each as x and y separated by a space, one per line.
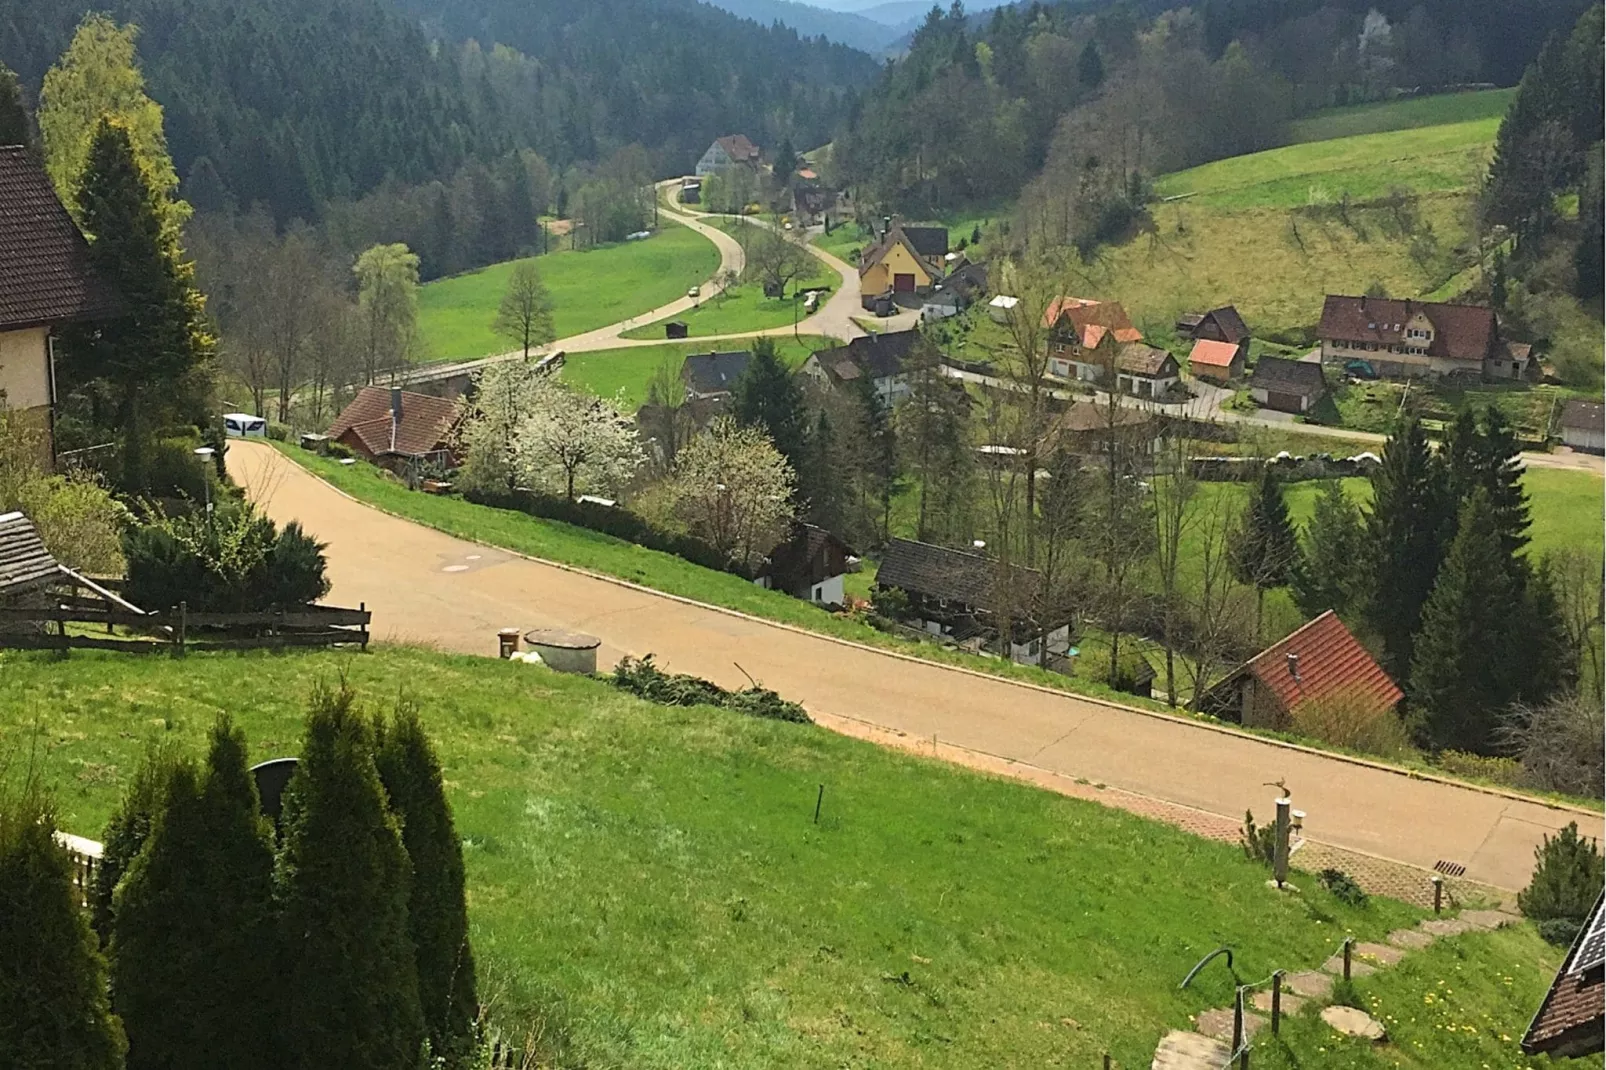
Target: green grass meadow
1401 115
649 884
590 288
626 372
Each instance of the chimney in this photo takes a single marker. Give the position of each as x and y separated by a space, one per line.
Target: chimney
1293 666
886 225
395 413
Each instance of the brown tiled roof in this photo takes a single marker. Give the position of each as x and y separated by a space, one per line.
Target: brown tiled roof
739 147
1288 376
45 276
939 572
1584 415
24 561
1085 416
1147 361
880 355
1232 326
1572 1019
426 422
1213 354
1090 320
1330 663
1460 332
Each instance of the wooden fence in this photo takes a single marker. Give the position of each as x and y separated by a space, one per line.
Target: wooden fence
177 631
85 855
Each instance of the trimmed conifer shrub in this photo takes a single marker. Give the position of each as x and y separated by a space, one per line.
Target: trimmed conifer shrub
193 948
126 831
1568 873
437 906
350 978
53 1006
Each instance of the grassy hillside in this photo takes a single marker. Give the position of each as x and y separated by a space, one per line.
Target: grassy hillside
1401 114
627 371
590 288
649 882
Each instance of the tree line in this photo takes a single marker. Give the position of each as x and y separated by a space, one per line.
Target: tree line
213 938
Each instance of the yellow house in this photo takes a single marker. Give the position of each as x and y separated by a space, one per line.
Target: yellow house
45 281
904 260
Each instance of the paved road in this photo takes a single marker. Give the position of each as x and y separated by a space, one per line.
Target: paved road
427 587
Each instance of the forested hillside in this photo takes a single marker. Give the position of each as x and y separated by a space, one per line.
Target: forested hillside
295 103
974 110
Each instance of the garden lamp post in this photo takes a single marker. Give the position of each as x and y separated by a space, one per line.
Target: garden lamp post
205 454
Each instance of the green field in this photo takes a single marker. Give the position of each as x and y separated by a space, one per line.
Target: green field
648 883
590 288
743 309
626 372
1401 115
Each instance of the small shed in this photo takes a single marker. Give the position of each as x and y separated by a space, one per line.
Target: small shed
676 329
1287 385
809 565
1000 307
1583 426
1217 362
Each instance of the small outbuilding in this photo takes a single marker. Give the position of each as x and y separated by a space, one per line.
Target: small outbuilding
1583 426
713 375
1216 362
809 565
1287 385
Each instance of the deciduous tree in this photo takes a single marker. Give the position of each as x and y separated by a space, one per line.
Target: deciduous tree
387 294
525 315
571 439
733 488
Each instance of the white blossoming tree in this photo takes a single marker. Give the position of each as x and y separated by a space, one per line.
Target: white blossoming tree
569 439
733 488
504 394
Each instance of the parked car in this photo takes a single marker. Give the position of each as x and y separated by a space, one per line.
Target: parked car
1361 369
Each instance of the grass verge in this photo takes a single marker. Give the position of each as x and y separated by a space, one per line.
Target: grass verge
1401 115
627 371
650 882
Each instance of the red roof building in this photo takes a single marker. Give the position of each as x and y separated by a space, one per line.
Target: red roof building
1216 361
389 425
1321 662
1572 1019
1077 328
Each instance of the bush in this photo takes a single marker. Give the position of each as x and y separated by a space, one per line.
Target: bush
1259 844
278 432
1343 887
1558 744
338 450
1568 873
171 470
1504 771
1354 723
235 561
610 520
642 678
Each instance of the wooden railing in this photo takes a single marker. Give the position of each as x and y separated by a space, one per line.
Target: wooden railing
177 631
85 855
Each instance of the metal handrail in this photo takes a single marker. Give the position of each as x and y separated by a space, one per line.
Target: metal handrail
1202 963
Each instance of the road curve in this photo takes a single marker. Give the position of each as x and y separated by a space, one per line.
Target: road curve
427 587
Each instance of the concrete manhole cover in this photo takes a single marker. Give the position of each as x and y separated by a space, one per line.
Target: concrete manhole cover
455 568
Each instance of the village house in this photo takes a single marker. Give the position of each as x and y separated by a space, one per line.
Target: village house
396 428
1216 362
1142 371
880 357
46 282
733 150
1287 385
1084 336
1319 663
1583 426
904 260
973 600
812 204
809 565
1571 1022
1089 428
713 376
1218 325
1420 339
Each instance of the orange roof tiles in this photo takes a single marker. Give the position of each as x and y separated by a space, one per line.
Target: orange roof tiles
1322 660
1213 354
1092 320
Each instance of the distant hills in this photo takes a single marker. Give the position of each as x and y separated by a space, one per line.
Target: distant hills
874 26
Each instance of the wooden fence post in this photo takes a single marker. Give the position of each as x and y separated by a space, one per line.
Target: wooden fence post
183 626
1276 1000
1347 941
362 607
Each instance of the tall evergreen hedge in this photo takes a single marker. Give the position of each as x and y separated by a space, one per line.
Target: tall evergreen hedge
126 831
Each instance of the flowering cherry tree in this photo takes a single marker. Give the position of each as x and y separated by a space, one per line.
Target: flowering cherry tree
733 488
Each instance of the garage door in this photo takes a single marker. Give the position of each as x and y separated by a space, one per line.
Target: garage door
904 284
1282 402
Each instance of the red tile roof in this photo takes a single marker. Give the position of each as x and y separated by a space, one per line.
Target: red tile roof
738 147
1213 354
1570 1020
1329 663
1090 320
45 275
425 425
1460 332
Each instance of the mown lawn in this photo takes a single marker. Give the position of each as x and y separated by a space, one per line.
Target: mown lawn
1461 1003
626 372
649 882
1401 115
743 308
590 288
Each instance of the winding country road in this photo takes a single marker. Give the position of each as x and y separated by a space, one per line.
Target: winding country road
427 587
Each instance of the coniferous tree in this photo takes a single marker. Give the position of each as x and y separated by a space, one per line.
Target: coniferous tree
769 398
1090 66
1328 572
193 941
126 832
437 907
1548 657
350 979
14 128
1405 535
1463 672
154 357
879 473
53 1006
1267 552
1485 454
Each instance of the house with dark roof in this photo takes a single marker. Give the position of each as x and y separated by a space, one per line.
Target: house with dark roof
1583 426
1571 1022
710 376
1091 428
732 150
1142 371
46 282
1420 339
975 601
394 427
809 565
968 282
880 357
811 204
1218 325
1216 362
1287 385
1084 336
1319 663
905 260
